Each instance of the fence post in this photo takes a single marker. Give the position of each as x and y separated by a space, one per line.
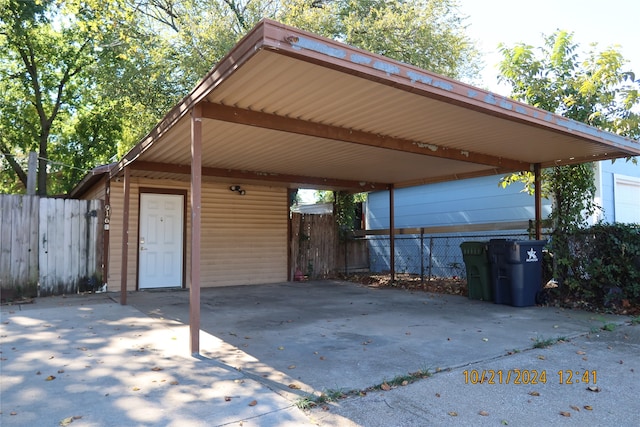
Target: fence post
422 255
430 256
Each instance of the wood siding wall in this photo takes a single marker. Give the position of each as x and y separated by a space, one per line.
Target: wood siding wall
18 245
244 238
317 251
70 243
49 246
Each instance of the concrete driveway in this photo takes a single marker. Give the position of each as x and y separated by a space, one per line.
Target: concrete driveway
331 335
265 348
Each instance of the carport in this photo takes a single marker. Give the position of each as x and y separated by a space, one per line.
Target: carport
298 110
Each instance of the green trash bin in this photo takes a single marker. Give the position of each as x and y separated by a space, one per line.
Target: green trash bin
476 261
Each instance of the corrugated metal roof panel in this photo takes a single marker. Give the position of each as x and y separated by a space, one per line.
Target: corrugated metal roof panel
282 72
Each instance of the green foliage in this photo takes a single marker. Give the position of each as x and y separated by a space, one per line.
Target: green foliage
48 50
596 91
81 81
436 31
601 264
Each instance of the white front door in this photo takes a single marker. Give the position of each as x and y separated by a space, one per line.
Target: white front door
161 240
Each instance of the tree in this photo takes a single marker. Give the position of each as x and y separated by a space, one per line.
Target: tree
426 33
82 80
47 50
597 91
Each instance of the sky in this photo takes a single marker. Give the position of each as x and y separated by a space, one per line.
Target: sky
605 22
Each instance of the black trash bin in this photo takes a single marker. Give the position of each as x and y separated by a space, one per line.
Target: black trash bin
500 280
516 270
526 271
476 261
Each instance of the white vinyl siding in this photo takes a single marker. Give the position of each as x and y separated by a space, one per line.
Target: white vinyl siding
626 198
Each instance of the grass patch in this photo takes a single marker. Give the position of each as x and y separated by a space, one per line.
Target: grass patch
332 395
609 327
635 320
546 342
402 380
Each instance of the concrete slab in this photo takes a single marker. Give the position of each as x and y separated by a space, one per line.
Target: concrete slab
332 335
129 365
609 360
111 365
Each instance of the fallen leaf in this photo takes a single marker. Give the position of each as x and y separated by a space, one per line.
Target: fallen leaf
82 348
136 389
325 407
51 357
588 407
621 362
437 394
541 357
321 357
504 422
405 382
485 339
575 408
13 413
580 352
227 399
565 414
534 393
453 414
483 413
385 387
294 386
174 383
66 421
292 366
156 368
593 388
253 403
281 348
50 378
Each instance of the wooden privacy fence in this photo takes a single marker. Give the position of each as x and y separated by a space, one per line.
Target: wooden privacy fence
318 252
49 246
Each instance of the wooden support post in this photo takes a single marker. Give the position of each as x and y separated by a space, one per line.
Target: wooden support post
538 197
196 221
32 169
125 237
106 226
289 234
392 235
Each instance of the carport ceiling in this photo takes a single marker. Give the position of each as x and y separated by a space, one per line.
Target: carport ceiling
290 107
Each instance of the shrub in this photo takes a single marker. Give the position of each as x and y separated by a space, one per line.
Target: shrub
600 264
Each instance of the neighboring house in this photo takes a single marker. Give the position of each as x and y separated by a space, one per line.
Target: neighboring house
483 201
618 191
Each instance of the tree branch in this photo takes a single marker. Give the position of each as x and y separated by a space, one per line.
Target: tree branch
14 165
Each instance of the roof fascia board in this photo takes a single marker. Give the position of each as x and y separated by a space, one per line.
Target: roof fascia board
329 53
302 127
248 46
312 182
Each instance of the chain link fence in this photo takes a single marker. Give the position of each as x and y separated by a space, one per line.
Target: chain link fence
429 256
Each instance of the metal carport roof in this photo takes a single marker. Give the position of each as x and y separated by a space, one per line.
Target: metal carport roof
292 107
289 107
